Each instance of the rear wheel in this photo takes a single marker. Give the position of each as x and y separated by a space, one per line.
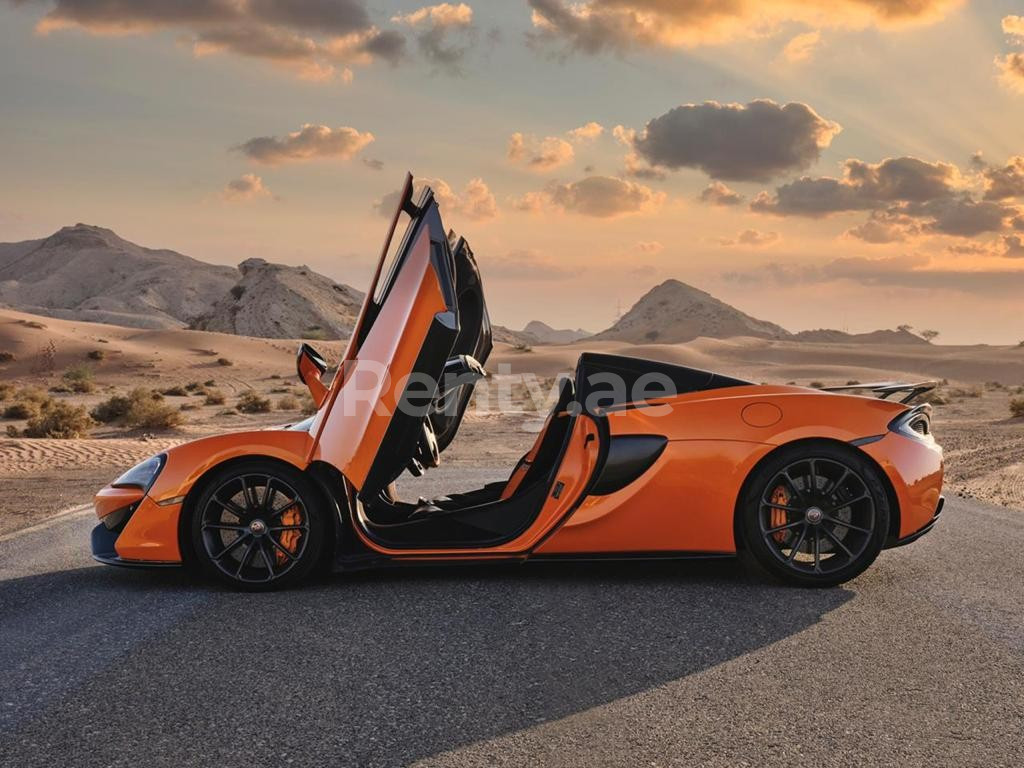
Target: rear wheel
258 526
815 515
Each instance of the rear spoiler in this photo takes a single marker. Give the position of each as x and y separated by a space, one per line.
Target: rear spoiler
884 389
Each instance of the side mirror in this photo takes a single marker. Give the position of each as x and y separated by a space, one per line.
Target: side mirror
311 367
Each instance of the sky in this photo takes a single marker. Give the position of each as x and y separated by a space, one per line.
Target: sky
853 164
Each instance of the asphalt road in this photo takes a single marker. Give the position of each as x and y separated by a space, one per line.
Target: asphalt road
918 662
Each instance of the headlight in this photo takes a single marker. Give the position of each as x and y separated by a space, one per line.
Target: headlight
142 474
915 423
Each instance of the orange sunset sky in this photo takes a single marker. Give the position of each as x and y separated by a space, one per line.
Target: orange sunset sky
848 163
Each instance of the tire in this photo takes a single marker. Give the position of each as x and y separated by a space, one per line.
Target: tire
245 533
814 514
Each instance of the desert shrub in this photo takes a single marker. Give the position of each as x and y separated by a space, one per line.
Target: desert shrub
816 385
852 383
288 403
936 397
79 378
275 375
522 346
314 333
21 410
307 405
994 385
214 397
6 357
209 383
6 390
188 407
141 408
96 354
1017 407
965 392
224 361
112 409
31 324
227 412
12 431
176 391
60 420
60 389
251 402
192 386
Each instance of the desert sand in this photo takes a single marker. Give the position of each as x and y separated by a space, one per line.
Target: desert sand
984 445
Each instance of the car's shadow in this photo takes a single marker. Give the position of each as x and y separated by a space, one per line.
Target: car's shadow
371 669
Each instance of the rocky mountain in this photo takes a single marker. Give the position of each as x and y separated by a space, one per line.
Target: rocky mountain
675 312
89 273
545 334
278 301
505 335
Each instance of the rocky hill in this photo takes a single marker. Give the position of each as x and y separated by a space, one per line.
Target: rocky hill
278 301
545 334
829 336
675 312
89 273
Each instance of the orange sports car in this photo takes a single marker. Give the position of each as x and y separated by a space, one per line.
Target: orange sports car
636 459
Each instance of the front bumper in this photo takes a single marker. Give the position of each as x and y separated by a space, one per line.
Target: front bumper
135 531
104 551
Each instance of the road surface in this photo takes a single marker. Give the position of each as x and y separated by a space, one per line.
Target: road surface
918 662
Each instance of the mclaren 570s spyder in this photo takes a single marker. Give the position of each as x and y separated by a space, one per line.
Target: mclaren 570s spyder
636 458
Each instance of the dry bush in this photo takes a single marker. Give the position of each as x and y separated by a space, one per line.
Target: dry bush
188 407
1017 407
79 378
141 409
6 357
214 397
852 383
307 405
28 402
522 346
227 412
816 385
224 361
959 393
31 324
209 383
60 420
6 390
193 386
175 391
936 397
96 354
21 411
12 431
288 403
251 402
61 389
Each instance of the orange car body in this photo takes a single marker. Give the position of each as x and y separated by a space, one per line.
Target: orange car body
683 500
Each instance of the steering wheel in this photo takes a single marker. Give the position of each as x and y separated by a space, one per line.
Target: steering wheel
427 453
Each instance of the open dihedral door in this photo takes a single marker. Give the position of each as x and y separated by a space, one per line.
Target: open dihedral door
374 417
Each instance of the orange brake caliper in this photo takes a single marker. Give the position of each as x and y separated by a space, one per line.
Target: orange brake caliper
289 539
779 496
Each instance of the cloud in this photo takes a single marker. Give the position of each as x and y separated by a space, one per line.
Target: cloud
1011 71
1005 181
595 26
801 47
1013 27
247 187
444 33
314 39
717 193
863 186
475 202
741 142
587 132
751 237
307 143
373 164
885 227
525 264
962 216
539 154
1013 247
602 197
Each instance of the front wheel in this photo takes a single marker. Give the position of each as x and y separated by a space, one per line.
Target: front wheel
815 515
258 526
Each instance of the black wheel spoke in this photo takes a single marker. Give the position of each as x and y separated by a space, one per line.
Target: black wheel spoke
267 559
783 507
282 509
230 506
278 528
792 484
846 504
281 549
838 541
268 496
838 483
843 524
817 549
814 477
230 546
797 545
224 527
785 527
